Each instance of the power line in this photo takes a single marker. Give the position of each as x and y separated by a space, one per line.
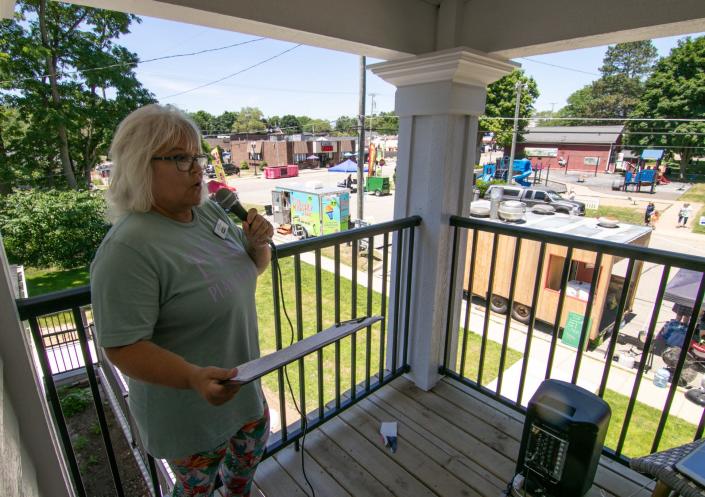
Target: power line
559 67
135 63
233 74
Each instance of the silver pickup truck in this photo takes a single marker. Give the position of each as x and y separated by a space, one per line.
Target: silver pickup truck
539 195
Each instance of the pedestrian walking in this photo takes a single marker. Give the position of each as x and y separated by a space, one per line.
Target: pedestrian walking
654 219
683 215
648 213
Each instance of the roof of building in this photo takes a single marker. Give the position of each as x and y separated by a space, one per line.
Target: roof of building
652 154
573 134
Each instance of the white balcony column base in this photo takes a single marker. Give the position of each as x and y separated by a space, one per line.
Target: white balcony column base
438 100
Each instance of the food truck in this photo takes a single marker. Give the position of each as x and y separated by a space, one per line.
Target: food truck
610 276
312 209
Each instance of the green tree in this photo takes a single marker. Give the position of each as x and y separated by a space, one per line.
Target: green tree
205 121
249 120
346 125
290 124
546 118
316 126
52 228
386 123
616 93
223 123
63 73
501 100
675 90
634 59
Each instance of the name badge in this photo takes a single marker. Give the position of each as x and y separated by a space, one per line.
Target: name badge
221 229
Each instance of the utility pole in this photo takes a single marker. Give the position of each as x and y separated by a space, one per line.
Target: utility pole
361 142
510 171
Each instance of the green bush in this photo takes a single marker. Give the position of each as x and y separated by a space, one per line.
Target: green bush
244 165
482 185
52 228
74 400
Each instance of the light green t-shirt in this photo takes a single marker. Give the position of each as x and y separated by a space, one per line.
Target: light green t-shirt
189 291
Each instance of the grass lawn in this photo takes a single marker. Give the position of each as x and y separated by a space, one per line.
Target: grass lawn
624 214
43 281
493 352
40 281
642 427
696 193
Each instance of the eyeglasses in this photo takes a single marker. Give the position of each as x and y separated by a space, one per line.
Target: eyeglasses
185 163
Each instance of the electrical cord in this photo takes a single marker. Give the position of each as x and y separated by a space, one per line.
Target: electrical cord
304 418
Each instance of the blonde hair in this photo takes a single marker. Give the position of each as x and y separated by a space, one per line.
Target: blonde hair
138 137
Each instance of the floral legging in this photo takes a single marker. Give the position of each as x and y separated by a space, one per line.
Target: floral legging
235 459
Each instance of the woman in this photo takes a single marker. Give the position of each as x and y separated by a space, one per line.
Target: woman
173 292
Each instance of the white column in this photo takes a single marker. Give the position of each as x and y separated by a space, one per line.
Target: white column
438 100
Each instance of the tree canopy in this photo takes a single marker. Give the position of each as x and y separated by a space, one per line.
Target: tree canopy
616 93
249 120
65 86
675 90
501 101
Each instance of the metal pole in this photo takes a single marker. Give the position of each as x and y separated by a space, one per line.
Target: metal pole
510 171
361 143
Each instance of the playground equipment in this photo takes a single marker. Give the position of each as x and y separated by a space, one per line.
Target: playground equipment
645 177
498 170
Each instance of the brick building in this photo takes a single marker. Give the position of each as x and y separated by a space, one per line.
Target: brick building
305 154
583 148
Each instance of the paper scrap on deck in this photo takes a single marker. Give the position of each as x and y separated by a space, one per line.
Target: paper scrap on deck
388 430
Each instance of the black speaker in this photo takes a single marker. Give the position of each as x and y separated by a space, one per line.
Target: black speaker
564 432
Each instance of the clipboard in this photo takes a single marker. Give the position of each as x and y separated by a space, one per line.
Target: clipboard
257 368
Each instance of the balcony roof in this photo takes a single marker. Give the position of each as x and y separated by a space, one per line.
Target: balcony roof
391 29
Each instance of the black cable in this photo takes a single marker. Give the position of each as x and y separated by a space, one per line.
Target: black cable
304 418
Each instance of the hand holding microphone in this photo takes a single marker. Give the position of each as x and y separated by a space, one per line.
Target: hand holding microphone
257 229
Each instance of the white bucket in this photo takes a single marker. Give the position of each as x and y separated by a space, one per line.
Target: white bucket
626 361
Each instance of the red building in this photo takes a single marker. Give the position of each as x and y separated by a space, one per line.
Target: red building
577 148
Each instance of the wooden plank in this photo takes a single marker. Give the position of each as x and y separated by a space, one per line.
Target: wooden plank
491 431
412 458
322 482
343 468
442 452
611 476
470 446
395 478
273 481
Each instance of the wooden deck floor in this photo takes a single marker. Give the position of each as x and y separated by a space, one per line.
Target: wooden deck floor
453 441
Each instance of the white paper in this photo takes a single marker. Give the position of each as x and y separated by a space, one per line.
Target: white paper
388 429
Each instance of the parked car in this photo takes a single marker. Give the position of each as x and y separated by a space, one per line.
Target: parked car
538 195
210 171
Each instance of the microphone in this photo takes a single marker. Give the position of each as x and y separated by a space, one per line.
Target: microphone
229 201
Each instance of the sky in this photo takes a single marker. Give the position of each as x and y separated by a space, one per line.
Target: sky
304 80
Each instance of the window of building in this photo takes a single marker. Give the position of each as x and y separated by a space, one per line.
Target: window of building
254 156
579 277
300 157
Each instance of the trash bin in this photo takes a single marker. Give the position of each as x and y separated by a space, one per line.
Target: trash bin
268 209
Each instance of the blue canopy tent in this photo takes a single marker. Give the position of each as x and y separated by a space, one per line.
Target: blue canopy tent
652 154
347 166
683 288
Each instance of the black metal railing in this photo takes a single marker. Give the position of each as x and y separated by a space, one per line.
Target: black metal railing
383 353
518 298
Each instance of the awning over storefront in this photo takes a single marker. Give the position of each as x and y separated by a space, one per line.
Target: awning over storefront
301 147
